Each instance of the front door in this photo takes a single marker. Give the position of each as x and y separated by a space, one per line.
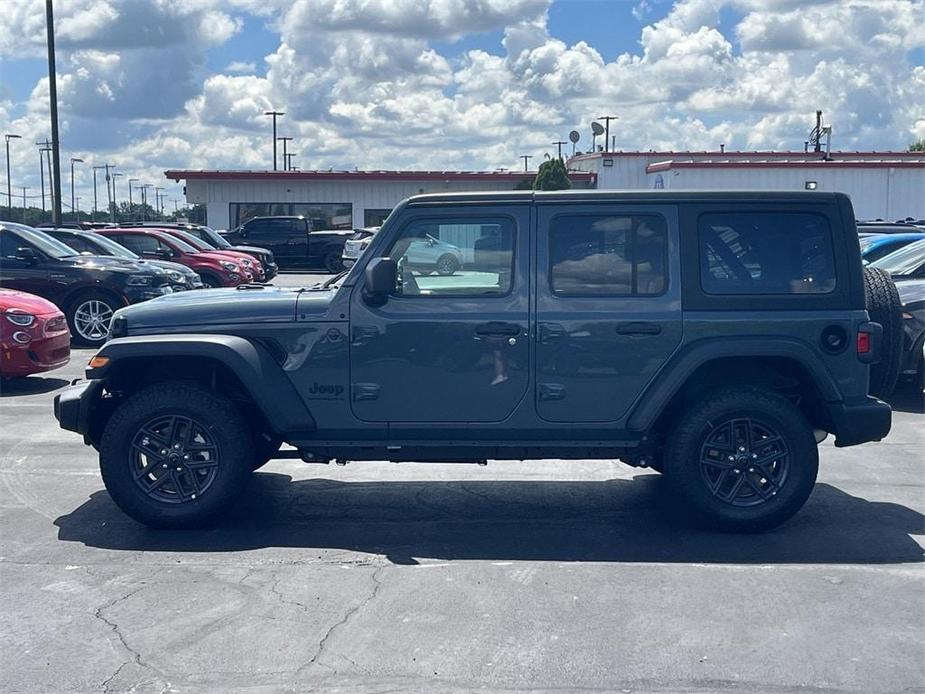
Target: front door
608 303
451 343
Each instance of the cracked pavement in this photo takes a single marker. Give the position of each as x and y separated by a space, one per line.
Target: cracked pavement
377 577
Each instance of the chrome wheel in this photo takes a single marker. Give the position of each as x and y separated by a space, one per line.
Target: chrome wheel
92 318
744 461
174 459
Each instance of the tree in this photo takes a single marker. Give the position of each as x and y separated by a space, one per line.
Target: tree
552 176
918 146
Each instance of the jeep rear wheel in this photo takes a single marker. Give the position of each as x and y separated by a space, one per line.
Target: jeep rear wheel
884 307
175 455
742 459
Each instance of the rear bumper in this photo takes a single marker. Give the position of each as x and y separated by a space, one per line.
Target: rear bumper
74 404
860 421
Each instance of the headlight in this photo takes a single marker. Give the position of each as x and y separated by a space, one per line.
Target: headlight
246 263
17 316
175 277
231 267
139 280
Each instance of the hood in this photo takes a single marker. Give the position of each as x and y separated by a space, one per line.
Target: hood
250 249
911 291
30 303
167 265
112 264
206 307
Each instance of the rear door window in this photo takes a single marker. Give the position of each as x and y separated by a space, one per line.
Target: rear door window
766 253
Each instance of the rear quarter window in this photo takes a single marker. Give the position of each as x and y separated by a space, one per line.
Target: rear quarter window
766 253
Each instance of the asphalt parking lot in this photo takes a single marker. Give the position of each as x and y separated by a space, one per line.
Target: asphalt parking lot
515 576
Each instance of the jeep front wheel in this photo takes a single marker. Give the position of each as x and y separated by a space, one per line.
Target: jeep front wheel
742 459
175 455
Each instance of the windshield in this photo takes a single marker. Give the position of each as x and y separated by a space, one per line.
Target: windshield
193 241
904 261
110 246
209 234
45 243
178 243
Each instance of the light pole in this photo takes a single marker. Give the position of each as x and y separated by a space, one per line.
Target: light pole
144 199
526 158
284 140
115 198
43 148
95 207
131 205
112 212
9 183
24 189
559 143
53 110
77 202
288 161
275 114
74 160
157 200
607 120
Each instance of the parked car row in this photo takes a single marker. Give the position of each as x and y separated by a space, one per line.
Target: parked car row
90 274
293 241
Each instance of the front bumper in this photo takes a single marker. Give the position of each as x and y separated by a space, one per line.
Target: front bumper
74 404
270 270
43 354
860 421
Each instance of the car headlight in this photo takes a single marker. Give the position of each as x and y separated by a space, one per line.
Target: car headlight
231 267
17 316
175 277
139 280
245 262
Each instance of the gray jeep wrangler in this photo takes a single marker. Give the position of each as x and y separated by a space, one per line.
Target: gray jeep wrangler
715 337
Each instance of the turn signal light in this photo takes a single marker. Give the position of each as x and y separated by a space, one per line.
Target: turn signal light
98 362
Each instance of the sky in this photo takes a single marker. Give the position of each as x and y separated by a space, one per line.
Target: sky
150 85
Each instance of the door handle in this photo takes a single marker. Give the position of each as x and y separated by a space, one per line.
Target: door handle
551 331
639 329
498 329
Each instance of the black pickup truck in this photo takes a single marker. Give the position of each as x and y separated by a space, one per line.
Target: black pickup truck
293 241
714 337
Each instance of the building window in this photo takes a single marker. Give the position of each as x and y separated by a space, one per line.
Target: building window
374 218
321 215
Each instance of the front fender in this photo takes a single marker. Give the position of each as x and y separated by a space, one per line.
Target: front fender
259 374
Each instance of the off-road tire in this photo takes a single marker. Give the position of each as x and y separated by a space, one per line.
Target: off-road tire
225 425
447 265
691 435
884 307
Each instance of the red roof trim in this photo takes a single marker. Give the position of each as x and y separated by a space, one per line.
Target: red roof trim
750 153
668 165
512 176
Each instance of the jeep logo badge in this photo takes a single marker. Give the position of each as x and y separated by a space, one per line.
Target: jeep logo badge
328 390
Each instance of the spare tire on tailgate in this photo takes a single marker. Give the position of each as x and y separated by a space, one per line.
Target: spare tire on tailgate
885 308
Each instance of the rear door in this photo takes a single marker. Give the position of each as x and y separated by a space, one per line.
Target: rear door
23 275
608 301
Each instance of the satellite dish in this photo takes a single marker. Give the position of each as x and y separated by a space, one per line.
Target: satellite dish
574 136
597 128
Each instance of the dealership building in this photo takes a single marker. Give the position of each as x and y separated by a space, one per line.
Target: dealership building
333 199
884 185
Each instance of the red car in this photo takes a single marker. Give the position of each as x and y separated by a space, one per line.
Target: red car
215 269
33 335
247 261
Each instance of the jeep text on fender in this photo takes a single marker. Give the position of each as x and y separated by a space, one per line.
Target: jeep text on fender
714 337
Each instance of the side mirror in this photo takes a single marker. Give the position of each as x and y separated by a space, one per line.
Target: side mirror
27 255
381 278
163 253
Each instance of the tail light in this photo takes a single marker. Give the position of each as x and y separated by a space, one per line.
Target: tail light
869 338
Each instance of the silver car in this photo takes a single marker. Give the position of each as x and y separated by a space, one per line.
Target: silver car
425 255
